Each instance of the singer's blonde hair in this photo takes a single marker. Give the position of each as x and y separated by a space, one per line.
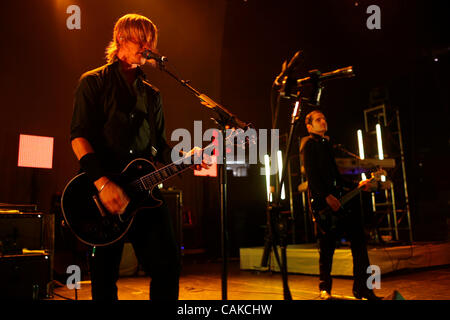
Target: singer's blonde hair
132 27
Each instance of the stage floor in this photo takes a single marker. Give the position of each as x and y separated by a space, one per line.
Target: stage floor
201 280
304 258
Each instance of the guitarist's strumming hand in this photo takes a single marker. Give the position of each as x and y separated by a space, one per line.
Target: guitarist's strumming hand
112 196
333 202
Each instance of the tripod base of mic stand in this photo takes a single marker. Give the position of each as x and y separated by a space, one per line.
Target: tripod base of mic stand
281 233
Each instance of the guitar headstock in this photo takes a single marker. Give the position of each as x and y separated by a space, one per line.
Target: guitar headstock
376 181
377 175
241 138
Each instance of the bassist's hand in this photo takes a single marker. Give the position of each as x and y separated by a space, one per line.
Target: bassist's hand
333 202
368 186
112 196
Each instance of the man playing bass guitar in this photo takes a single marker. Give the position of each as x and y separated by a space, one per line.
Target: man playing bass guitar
325 184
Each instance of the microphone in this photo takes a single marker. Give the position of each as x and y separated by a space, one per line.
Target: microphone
336 74
147 54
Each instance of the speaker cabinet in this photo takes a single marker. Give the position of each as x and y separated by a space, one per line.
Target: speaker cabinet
32 231
174 201
25 277
173 197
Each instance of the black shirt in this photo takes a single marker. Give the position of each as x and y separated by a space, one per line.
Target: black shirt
120 121
320 166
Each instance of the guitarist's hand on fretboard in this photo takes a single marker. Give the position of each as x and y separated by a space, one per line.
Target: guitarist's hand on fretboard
368 185
372 184
198 155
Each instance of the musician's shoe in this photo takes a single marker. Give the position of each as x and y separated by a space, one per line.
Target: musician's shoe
365 293
325 295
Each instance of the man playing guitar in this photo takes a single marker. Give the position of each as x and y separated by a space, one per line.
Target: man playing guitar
325 187
117 118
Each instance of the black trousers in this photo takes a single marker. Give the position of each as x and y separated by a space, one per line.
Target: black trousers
351 227
154 243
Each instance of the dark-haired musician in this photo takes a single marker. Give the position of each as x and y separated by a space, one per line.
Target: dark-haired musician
324 182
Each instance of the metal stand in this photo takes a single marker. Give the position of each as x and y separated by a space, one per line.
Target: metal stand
394 210
285 84
225 119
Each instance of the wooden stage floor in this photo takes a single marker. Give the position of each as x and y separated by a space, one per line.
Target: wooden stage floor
201 280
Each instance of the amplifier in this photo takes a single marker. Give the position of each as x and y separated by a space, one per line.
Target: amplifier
25 277
30 230
174 201
19 207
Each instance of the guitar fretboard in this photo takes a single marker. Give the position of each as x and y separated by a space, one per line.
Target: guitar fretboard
148 181
158 176
349 196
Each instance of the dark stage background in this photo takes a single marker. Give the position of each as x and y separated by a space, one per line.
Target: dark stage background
232 51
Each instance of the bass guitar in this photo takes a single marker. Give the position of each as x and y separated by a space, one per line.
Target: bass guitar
326 218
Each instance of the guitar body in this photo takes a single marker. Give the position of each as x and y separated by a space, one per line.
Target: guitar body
327 219
90 221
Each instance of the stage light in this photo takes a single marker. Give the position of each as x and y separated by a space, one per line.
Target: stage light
360 144
267 167
380 146
35 151
211 171
379 142
280 172
294 113
363 176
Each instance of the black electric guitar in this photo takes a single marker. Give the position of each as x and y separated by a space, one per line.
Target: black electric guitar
91 222
325 217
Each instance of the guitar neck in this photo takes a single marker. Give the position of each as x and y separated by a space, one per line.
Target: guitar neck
349 196
156 177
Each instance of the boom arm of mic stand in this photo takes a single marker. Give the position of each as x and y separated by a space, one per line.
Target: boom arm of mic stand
346 72
226 116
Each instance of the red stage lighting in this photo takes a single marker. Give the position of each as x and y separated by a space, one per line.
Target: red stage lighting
35 151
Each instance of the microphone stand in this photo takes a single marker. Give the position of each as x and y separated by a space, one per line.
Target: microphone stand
225 119
273 210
